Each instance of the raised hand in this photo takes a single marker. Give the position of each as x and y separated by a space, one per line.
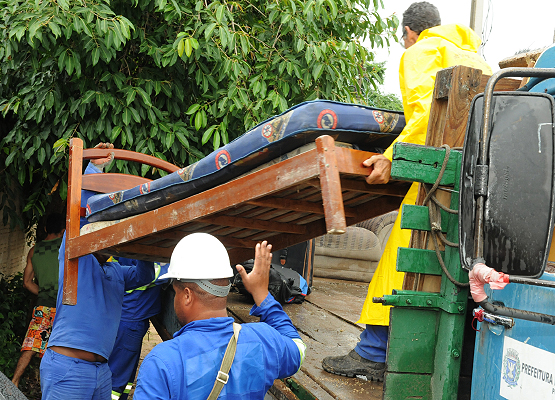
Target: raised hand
256 282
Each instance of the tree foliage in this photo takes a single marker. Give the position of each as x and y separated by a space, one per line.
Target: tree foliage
170 78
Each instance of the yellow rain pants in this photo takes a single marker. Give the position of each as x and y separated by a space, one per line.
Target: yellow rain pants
436 48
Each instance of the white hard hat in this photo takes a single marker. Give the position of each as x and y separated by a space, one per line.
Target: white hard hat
199 256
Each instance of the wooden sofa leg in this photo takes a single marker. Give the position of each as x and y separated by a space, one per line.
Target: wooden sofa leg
331 186
73 215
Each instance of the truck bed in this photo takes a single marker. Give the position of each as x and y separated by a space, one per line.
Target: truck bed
327 324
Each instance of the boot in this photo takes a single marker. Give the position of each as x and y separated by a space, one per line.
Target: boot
352 364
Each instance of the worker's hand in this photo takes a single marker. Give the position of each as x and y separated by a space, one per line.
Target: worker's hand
381 169
256 282
100 163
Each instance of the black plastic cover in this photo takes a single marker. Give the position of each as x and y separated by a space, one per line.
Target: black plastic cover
518 210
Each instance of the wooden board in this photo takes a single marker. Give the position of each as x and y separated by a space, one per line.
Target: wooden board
326 322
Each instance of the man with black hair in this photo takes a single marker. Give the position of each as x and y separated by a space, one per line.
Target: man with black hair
40 277
430 47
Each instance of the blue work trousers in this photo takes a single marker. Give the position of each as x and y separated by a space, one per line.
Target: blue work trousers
68 378
125 356
373 343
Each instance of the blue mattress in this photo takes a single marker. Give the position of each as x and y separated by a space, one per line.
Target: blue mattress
367 128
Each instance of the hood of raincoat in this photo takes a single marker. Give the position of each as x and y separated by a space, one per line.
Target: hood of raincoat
461 36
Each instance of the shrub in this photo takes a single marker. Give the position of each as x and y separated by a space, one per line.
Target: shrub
13 320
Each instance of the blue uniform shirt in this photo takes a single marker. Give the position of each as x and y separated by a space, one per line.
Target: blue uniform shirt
92 324
144 302
186 367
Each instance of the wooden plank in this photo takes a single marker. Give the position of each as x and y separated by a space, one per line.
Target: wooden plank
111 182
418 261
391 189
281 391
523 60
330 185
339 298
453 92
254 224
288 204
73 215
422 164
503 85
311 386
127 155
418 218
350 161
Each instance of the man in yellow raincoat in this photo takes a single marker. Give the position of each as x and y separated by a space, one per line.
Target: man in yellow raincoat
429 48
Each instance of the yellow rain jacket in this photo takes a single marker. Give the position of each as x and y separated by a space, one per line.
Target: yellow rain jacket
436 48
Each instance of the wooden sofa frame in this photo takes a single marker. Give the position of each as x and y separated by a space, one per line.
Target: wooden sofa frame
320 191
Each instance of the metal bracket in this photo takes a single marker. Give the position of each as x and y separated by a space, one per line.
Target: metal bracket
409 298
481 180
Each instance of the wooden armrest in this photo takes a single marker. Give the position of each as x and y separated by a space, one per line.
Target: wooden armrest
127 155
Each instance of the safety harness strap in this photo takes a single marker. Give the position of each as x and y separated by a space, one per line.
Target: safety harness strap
223 373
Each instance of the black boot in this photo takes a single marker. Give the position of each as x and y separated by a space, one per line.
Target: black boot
352 364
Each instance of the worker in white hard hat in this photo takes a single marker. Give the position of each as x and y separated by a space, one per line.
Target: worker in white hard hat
210 355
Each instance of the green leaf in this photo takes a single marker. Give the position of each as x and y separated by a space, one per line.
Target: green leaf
188 47
333 8
351 48
88 97
29 153
273 15
181 47
216 140
129 135
41 155
131 96
34 27
317 71
10 158
135 115
60 144
208 134
220 13
54 27
126 116
192 109
151 115
182 139
198 121
244 45
144 96
223 36
49 101
208 31
116 130
95 55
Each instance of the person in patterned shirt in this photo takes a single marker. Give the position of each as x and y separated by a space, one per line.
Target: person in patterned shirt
40 277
